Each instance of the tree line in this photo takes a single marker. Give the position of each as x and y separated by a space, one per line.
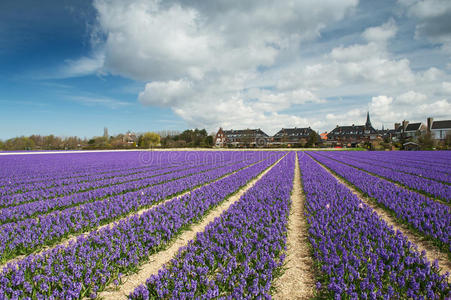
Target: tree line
164 139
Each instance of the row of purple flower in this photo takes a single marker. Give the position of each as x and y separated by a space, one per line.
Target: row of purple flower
49 183
34 208
431 218
42 191
237 254
393 163
421 184
358 256
86 266
29 235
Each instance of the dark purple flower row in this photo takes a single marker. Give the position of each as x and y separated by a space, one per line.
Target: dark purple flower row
31 209
428 186
29 235
83 268
358 256
429 217
393 164
140 179
237 254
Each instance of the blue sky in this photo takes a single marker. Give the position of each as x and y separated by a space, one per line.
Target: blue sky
74 67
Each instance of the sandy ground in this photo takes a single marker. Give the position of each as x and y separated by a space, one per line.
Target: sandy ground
157 260
432 252
297 281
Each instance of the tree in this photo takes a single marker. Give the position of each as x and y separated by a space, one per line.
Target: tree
425 141
19 143
148 139
1 145
313 139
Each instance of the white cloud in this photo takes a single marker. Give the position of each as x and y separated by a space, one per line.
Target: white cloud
168 93
411 97
381 34
434 20
240 63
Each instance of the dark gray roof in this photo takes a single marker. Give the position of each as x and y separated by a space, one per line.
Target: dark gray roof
246 132
294 132
413 127
351 130
445 124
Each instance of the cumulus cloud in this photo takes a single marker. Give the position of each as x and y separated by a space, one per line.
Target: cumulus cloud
434 20
240 64
203 59
381 34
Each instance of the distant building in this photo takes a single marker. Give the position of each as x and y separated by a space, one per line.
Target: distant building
406 130
241 138
352 135
105 132
130 138
439 129
292 136
323 136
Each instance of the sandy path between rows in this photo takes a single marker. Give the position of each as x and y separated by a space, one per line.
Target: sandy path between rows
297 281
157 260
432 252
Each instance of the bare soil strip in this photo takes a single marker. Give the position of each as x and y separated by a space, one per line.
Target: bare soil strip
432 252
73 238
297 281
158 260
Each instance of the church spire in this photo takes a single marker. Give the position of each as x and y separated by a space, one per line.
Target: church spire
368 122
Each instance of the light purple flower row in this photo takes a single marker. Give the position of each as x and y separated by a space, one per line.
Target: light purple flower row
83 268
357 255
31 209
431 218
29 235
14 188
151 164
428 186
237 254
47 193
37 168
394 164
429 160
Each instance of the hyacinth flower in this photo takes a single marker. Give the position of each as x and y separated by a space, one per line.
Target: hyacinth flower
26 236
86 266
430 218
32 209
357 255
238 254
392 162
95 189
430 187
438 161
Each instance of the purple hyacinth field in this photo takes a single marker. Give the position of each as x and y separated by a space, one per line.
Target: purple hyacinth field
220 225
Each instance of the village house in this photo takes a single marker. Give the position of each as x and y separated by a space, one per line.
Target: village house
439 129
292 136
350 136
241 138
